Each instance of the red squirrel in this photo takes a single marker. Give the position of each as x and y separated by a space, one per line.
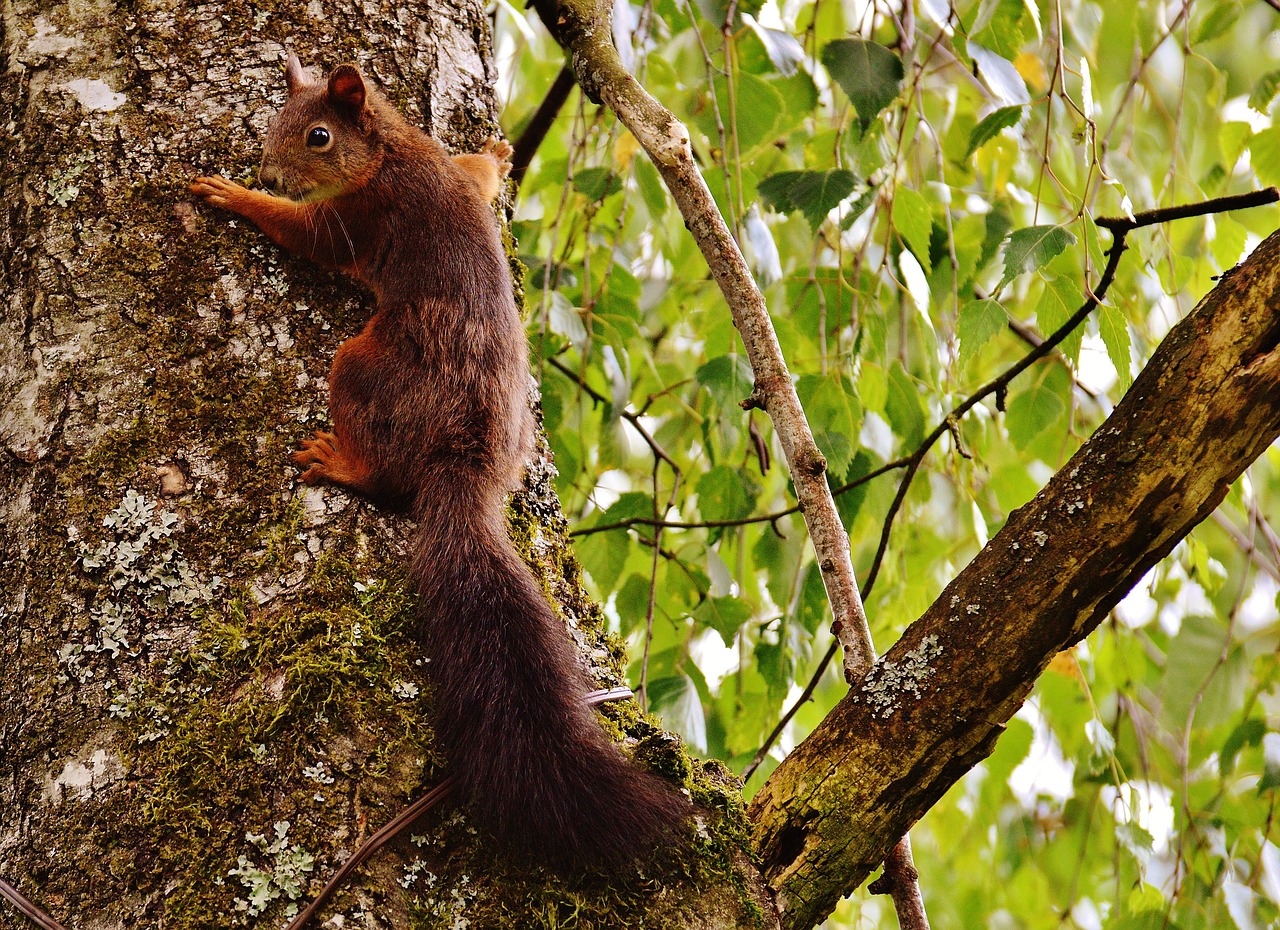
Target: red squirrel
430 416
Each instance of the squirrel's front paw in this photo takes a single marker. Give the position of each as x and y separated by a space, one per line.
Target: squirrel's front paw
500 151
215 190
319 454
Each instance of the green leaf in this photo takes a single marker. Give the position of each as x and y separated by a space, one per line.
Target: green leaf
999 27
633 601
1221 18
914 222
817 193
725 615
1011 749
726 493
812 609
978 323
869 73
1115 335
873 386
1228 241
859 206
757 109
1264 152
903 406
1232 139
775 191
1194 666
604 555
1248 733
565 319
597 183
834 416
995 226
676 701
1264 92
1031 248
992 125
799 99
784 50
1031 413
652 190
1060 299
1145 898
814 193
727 378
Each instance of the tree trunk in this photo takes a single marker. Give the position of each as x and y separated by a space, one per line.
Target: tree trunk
207 702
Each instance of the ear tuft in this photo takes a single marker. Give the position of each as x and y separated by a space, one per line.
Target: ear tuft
295 76
346 89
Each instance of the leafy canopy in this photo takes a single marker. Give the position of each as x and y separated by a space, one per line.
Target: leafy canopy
916 194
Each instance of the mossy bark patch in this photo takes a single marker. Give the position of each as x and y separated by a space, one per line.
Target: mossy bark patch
207 701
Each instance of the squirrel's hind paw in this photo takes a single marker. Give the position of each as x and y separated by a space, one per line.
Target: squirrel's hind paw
500 151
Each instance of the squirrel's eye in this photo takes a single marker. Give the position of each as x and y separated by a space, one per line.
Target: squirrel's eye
318 137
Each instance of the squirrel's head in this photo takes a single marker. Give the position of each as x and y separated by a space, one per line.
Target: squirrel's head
323 143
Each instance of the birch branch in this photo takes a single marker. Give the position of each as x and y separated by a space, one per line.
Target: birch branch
583 28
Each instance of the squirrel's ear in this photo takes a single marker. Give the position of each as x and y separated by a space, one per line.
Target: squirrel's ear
346 89
295 76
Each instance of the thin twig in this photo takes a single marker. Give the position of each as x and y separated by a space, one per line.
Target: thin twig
27 908
1000 384
901 881
540 123
1121 225
740 521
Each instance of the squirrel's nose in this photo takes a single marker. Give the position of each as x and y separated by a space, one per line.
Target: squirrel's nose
269 177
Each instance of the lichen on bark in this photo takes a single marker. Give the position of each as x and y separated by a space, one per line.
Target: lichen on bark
162 358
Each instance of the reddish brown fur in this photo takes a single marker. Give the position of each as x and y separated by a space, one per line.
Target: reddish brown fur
430 415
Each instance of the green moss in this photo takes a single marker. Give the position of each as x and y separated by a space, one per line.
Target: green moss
275 716
219 733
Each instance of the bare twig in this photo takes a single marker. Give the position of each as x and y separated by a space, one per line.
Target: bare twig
741 521
901 882
1121 225
27 908
540 123
582 26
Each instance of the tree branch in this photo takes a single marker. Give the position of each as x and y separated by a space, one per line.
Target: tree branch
1205 406
1120 225
583 27
540 123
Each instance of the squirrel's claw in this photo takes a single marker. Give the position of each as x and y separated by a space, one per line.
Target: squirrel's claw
215 190
500 151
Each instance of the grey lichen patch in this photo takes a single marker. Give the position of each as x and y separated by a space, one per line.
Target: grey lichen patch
80 777
889 682
275 869
143 580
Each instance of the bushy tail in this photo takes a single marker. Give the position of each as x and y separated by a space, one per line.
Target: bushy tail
539 772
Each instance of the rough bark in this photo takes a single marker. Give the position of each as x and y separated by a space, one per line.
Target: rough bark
1205 406
197 652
